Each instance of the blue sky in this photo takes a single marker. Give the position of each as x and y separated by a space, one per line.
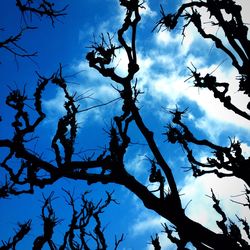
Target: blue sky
163 60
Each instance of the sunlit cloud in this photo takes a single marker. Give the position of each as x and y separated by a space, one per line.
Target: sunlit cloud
245 149
137 165
146 223
199 206
146 11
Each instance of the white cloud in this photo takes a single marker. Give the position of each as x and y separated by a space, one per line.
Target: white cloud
55 105
121 63
137 165
146 222
86 71
200 206
245 13
245 149
172 87
166 38
146 11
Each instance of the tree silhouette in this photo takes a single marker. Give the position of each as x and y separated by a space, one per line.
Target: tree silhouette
25 169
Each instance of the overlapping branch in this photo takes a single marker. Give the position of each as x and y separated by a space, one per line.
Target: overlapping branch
227 161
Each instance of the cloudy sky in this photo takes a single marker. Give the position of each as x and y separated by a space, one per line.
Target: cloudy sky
163 58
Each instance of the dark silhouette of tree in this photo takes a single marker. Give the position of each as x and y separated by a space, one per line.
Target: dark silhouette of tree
109 166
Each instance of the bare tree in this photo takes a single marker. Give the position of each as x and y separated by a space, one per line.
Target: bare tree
109 166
